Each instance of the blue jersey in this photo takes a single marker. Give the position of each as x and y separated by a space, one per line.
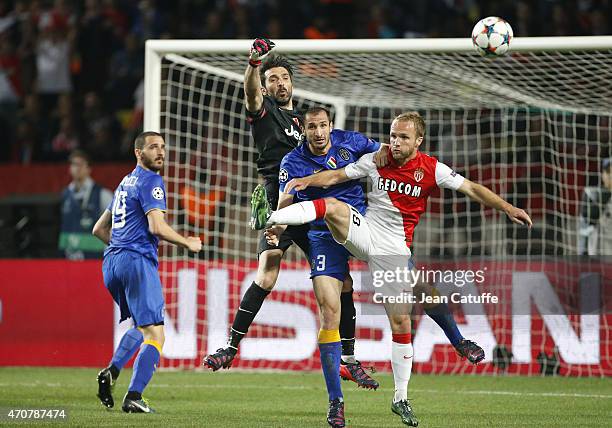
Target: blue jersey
138 193
346 147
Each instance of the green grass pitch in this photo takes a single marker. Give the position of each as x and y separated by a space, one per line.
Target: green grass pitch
276 399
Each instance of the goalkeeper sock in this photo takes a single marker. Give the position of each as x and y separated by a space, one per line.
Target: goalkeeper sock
145 365
300 213
249 306
401 363
347 327
128 345
442 315
329 348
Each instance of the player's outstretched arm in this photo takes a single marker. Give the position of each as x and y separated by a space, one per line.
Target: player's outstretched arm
161 229
253 97
484 196
102 228
320 179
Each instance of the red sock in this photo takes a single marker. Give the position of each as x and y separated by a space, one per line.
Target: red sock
401 337
319 205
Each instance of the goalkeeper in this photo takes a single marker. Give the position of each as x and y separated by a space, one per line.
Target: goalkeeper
277 129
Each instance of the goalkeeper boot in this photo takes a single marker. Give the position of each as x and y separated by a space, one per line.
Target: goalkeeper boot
470 350
106 384
403 409
356 373
335 414
260 208
136 406
223 358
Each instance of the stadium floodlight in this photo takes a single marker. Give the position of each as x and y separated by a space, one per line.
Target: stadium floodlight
533 126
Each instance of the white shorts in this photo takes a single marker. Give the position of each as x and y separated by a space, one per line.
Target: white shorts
366 239
373 244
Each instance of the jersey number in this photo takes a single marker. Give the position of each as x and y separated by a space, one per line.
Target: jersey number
320 263
119 211
355 216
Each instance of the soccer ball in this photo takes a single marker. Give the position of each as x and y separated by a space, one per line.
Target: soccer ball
492 36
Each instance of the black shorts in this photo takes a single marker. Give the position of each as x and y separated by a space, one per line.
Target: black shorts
293 234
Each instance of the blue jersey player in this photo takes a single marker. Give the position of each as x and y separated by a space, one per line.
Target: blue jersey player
326 149
132 226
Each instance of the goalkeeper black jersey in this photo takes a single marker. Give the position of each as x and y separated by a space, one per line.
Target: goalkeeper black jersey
276 132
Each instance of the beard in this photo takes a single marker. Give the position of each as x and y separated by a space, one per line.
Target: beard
284 100
151 164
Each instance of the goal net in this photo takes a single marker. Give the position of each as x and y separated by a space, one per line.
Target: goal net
533 126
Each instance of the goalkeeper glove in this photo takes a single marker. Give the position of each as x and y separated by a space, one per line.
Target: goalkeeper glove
260 48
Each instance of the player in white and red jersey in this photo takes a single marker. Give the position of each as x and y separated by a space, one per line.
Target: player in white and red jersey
383 236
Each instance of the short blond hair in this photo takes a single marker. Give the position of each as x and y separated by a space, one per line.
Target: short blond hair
416 119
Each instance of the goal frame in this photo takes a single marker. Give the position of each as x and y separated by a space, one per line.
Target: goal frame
161 52
155 50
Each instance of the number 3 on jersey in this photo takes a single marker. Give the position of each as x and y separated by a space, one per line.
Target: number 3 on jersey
320 263
119 211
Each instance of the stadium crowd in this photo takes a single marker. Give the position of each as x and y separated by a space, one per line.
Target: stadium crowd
71 71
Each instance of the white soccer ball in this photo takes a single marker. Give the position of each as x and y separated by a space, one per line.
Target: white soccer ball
492 36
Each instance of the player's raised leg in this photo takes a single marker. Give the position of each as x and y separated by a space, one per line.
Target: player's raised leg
327 292
335 213
267 274
128 345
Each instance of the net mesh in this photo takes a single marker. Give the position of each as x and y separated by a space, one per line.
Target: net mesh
533 127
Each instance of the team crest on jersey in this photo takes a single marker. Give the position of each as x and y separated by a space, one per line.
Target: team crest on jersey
344 154
419 174
283 175
157 193
331 162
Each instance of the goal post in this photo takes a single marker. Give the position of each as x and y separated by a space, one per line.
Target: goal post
533 126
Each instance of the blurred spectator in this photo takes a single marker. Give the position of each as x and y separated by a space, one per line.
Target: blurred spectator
10 87
320 29
25 38
67 139
95 47
10 72
133 127
378 25
149 23
53 53
595 223
101 129
32 130
26 146
83 201
128 69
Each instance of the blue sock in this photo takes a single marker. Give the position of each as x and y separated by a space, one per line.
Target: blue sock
444 318
330 363
145 365
128 345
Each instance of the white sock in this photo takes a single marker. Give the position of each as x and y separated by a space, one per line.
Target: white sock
295 214
349 359
401 362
